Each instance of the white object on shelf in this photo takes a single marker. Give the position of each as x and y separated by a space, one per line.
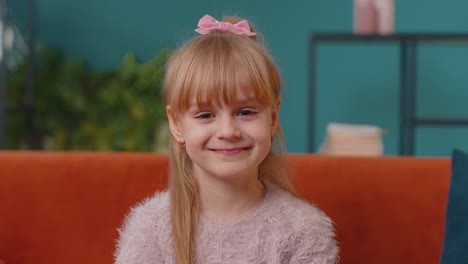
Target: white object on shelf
353 140
385 16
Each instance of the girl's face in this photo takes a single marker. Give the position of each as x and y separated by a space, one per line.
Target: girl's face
226 141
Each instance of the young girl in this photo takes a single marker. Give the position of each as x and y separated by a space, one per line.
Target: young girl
229 197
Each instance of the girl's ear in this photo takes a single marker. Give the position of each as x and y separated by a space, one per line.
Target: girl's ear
174 125
275 117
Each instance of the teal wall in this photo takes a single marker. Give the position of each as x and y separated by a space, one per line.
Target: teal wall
357 83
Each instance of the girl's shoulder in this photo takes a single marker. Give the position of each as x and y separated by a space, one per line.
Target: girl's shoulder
151 208
294 207
298 215
306 232
145 231
147 217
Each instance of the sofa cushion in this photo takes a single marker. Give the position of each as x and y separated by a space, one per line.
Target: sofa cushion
456 227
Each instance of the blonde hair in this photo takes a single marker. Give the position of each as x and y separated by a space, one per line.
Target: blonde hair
216 66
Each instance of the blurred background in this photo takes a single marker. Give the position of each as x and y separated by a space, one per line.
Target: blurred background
92 80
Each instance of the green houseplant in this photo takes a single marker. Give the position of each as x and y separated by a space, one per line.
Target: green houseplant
78 109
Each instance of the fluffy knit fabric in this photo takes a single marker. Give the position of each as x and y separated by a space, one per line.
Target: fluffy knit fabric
283 229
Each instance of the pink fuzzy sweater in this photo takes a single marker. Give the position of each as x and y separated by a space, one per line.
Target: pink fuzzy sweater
283 229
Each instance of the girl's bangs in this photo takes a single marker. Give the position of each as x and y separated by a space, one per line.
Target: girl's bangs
216 80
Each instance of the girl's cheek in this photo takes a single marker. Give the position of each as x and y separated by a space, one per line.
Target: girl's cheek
196 133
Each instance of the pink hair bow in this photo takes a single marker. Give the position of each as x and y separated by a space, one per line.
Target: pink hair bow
208 23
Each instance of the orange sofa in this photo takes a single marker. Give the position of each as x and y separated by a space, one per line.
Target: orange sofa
58 207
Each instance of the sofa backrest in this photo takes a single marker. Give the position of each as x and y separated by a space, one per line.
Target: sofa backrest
59 207
386 210
66 207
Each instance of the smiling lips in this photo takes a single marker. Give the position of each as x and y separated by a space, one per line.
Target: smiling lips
230 151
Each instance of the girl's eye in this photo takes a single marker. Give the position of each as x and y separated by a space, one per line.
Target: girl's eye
204 115
246 112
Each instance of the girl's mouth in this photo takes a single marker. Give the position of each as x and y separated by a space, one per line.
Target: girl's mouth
230 151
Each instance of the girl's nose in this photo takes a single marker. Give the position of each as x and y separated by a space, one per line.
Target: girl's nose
228 129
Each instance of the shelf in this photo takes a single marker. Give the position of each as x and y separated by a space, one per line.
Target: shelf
441 37
408 80
440 121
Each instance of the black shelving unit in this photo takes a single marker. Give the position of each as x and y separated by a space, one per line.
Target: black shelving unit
31 74
408 45
3 76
